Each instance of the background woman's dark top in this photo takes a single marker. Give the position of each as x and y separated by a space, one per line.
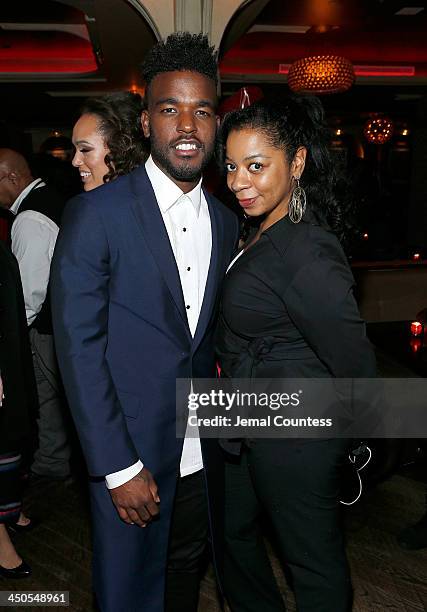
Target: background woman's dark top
288 309
18 413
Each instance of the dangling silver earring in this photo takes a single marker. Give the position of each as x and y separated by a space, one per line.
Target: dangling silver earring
297 204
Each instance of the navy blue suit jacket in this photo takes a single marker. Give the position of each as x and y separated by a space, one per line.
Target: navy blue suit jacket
121 329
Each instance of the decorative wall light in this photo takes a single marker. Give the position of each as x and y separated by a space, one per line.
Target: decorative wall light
416 328
378 130
321 74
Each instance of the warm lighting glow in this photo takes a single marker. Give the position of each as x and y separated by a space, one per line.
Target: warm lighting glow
416 328
321 29
405 132
321 74
365 236
378 130
416 344
136 89
56 133
416 256
338 132
362 71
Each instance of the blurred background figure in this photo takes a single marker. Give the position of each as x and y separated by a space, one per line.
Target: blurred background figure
18 405
37 209
56 173
108 138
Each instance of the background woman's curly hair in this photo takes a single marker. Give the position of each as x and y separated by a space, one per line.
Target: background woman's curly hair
292 122
119 117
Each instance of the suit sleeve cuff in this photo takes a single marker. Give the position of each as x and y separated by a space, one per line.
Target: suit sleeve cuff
116 479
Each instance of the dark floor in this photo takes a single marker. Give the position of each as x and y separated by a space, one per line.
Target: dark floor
384 576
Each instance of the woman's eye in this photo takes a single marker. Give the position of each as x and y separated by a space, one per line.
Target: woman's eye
230 167
255 166
85 150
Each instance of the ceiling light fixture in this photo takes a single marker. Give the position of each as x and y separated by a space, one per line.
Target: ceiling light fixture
321 74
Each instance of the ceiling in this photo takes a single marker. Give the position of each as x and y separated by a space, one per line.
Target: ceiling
384 43
53 53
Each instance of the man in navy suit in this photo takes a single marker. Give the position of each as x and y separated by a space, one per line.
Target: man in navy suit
135 281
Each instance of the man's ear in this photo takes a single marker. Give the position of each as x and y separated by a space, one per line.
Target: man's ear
218 121
145 123
13 177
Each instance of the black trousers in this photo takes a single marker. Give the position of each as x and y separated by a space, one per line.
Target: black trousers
293 485
188 544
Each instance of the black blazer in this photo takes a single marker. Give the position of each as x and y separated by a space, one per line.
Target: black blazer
20 403
288 309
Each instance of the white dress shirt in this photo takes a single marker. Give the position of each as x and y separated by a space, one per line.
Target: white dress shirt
33 241
187 221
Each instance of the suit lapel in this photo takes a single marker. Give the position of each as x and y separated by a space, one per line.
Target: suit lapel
213 274
150 222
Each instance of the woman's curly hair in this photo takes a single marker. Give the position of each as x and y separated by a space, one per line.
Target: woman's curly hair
119 121
289 123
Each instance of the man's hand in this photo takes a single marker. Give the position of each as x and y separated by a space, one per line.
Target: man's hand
137 500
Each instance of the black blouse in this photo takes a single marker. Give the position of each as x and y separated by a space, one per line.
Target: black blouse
288 309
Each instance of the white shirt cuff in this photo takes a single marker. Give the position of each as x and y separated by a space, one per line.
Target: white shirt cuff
116 479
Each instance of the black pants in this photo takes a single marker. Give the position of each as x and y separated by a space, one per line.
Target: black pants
10 481
188 544
294 486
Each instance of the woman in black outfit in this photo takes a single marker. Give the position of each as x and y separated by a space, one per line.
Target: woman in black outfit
18 408
287 311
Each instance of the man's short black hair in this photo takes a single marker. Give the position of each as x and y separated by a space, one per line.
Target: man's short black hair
181 51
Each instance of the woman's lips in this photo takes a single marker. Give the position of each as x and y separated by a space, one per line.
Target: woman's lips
247 202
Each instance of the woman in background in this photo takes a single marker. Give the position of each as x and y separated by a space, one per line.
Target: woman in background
287 311
108 138
18 409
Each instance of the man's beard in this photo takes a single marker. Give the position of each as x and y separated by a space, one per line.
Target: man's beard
181 170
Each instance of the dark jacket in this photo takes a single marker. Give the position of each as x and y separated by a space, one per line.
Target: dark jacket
16 365
288 309
122 340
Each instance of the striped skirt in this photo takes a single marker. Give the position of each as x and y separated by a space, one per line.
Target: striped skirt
10 487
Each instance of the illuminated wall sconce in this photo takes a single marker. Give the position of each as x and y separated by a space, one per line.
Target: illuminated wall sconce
416 256
416 328
365 236
378 130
